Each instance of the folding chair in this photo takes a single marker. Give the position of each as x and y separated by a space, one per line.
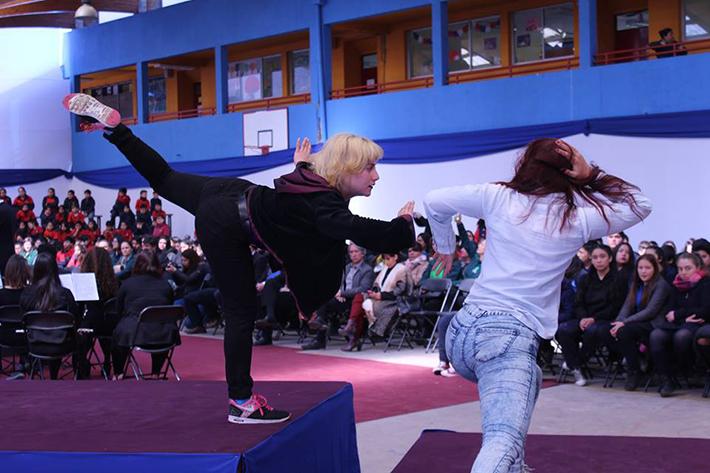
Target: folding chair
13 340
51 336
463 288
103 336
156 315
407 327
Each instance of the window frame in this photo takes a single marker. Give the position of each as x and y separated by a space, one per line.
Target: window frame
409 57
513 62
684 37
260 60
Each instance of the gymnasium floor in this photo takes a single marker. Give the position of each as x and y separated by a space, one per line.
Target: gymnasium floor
397 396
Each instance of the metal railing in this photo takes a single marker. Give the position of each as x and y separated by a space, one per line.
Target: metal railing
181 114
359 90
652 51
268 104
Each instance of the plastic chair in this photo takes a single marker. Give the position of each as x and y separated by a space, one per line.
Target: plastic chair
164 314
51 336
406 326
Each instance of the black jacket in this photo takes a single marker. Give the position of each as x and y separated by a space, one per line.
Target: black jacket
304 223
137 293
695 301
600 299
8 227
654 311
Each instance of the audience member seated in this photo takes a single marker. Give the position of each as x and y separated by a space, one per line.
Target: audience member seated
50 201
25 214
599 297
268 292
190 277
144 288
379 304
142 202
123 265
22 199
77 257
645 307
672 344
88 205
160 228
701 247
624 261
46 294
358 278
122 200
28 251
416 263
70 201
98 262
155 201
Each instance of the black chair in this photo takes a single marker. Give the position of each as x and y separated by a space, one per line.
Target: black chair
462 289
51 336
103 333
411 327
13 340
154 316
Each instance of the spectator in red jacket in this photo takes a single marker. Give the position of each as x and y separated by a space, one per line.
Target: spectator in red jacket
66 252
25 214
50 233
50 201
91 232
122 200
75 216
61 215
160 228
110 231
142 201
124 232
158 212
33 229
22 198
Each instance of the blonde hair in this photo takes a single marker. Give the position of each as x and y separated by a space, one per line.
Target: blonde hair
344 154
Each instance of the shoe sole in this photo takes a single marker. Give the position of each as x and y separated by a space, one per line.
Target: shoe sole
248 420
86 105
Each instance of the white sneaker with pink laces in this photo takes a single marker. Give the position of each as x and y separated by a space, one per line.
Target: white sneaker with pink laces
87 106
256 410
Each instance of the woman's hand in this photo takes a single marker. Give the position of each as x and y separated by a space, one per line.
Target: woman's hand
374 295
408 209
670 316
457 218
694 319
615 326
303 151
581 170
443 263
585 323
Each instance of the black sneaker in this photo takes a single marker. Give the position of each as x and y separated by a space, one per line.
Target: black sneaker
633 379
667 387
255 411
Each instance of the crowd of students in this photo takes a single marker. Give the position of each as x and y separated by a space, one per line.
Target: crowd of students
650 308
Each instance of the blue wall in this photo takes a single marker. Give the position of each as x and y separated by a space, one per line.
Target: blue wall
654 86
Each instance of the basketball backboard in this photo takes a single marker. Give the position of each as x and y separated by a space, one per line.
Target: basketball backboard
265 130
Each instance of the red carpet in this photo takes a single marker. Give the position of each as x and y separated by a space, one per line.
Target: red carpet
381 389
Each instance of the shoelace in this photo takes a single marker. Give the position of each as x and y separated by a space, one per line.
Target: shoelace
261 403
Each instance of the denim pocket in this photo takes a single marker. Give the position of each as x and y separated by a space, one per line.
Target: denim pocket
491 342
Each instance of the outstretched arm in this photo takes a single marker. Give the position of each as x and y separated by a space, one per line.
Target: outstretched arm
303 151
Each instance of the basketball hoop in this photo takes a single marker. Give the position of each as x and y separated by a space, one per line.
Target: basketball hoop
263 149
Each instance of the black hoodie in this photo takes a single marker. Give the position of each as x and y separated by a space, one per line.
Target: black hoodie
304 223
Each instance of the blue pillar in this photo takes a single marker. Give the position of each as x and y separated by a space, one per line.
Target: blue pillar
220 74
142 92
320 59
440 41
587 32
75 85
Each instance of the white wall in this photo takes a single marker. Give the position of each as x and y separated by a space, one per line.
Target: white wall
670 172
34 127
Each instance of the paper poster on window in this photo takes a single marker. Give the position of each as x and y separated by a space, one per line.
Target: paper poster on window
490 44
522 41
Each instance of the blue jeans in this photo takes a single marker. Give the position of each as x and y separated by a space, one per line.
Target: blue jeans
499 353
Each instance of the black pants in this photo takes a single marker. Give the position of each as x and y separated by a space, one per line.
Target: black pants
703 350
207 298
331 309
213 202
673 347
627 341
569 335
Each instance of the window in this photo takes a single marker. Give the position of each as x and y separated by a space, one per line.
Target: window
632 21
543 33
254 79
419 53
116 96
485 42
459 47
156 95
696 19
299 72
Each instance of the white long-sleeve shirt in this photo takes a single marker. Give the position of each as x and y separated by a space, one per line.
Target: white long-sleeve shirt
525 259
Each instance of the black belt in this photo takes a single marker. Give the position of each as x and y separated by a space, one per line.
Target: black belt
244 220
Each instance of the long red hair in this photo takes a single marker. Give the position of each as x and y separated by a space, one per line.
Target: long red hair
540 171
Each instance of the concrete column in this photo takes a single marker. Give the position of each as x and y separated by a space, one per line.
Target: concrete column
440 41
220 75
142 92
587 31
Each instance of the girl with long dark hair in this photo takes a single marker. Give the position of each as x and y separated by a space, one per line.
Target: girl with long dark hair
47 294
303 222
537 221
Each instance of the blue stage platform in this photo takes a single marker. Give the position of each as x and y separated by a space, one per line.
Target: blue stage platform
172 427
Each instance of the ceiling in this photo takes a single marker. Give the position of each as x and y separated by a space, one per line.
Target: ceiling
53 13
